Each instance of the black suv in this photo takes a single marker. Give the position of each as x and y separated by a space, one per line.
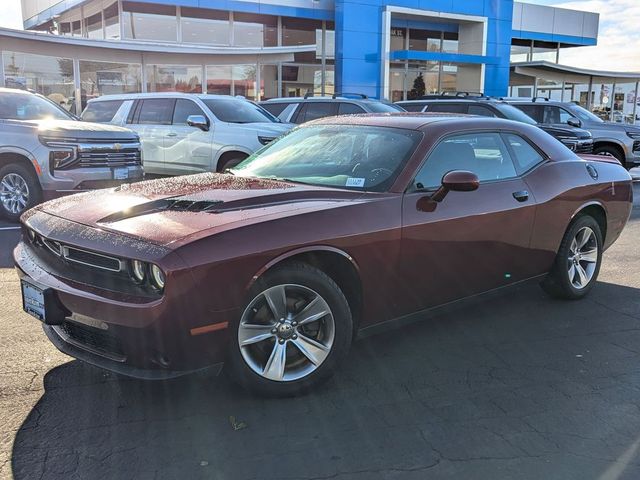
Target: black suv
576 139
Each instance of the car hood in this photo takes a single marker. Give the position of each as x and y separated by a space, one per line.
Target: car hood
563 129
73 129
180 209
270 129
613 126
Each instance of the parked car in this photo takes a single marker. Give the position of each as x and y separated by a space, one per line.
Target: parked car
45 152
304 109
342 225
575 139
188 133
616 139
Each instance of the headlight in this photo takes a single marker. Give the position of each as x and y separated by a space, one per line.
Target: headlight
157 277
32 235
62 157
634 135
138 270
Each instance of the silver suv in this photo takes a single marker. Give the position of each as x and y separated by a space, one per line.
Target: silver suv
304 109
45 152
189 133
617 139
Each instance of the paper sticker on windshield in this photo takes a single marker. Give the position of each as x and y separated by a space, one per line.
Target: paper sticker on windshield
355 182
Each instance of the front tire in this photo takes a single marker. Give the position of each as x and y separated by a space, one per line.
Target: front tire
19 191
578 261
294 331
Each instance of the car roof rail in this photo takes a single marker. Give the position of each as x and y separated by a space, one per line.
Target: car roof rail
309 94
538 99
450 95
343 95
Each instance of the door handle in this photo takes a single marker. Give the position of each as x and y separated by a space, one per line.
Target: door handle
521 196
172 134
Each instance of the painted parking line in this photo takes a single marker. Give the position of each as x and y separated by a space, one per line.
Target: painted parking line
9 228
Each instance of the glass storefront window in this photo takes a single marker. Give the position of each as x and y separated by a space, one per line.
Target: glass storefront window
174 78
232 80
544 53
449 79
76 28
111 22
93 26
104 78
520 53
298 80
398 36
219 79
49 76
300 31
430 73
450 42
251 30
142 21
205 26
424 40
268 82
396 84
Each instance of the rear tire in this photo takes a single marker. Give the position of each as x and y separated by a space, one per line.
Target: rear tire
230 162
295 330
19 191
578 261
614 152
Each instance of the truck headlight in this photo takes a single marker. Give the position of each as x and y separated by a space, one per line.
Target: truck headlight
634 135
62 157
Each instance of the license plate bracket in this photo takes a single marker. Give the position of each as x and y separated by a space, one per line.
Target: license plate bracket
42 303
120 173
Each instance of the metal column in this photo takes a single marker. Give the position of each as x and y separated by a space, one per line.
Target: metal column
589 96
612 101
635 104
77 86
562 94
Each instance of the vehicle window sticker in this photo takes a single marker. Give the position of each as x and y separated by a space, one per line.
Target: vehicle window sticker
355 182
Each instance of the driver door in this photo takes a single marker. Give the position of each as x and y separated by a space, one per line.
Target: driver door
471 242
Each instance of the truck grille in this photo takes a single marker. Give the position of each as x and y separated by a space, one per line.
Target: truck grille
98 341
109 155
584 147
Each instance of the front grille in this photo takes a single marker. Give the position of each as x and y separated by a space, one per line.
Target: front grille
636 146
586 147
94 339
125 157
91 259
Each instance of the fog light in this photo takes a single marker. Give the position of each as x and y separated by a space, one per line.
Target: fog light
138 270
157 277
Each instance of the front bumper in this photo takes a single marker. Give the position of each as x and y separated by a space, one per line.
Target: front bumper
65 182
138 337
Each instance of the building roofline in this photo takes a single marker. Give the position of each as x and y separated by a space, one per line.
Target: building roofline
523 67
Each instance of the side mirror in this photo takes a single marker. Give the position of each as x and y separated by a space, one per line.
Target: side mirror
198 121
456 181
574 122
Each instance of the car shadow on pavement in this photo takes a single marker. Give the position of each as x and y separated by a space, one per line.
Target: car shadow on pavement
517 387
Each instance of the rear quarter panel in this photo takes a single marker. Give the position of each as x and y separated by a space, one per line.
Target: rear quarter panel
562 189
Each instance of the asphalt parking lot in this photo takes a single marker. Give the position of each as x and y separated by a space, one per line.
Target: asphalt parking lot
519 386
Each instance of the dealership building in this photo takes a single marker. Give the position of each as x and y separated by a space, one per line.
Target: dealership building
72 50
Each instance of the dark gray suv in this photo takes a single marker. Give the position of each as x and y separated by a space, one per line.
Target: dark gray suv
304 109
617 139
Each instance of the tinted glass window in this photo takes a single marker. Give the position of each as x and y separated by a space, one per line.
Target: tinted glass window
381 107
525 156
447 108
413 107
101 112
349 109
484 154
533 111
512 113
565 116
29 107
480 110
156 111
313 110
551 115
185 108
274 108
235 110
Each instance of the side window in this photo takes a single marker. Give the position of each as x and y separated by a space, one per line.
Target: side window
447 108
413 107
274 109
565 116
484 154
551 114
314 110
156 111
101 112
532 110
480 110
349 109
185 108
524 155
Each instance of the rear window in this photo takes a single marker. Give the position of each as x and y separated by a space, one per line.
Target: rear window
413 107
447 108
379 107
314 110
274 109
101 112
234 110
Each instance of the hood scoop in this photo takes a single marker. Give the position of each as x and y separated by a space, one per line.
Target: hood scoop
163 205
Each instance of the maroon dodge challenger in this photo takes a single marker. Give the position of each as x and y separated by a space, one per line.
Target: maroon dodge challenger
340 225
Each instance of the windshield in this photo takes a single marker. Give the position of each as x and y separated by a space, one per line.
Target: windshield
21 106
234 110
513 113
353 157
584 114
381 107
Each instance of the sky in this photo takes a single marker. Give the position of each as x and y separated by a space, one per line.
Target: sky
618 46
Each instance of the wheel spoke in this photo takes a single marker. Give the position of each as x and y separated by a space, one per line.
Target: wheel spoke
582 276
574 246
312 349
590 256
584 236
274 369
277 300
315 310
250 333
572 273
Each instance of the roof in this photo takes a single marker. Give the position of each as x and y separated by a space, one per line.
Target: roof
134 96
566 73
326 98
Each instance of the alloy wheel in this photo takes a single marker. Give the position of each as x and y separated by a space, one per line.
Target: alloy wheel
14 193
583 258
286 332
